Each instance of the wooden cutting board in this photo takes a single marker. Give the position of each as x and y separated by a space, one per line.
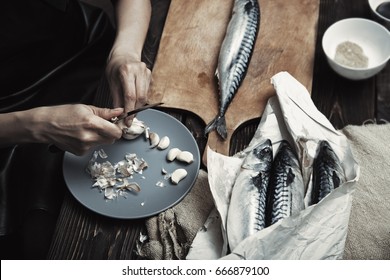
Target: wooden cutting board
183 74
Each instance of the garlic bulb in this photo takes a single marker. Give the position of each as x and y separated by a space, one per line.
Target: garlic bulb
136 129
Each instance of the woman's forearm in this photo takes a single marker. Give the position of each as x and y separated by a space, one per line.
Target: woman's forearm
17 127
132 21
128 77
75 128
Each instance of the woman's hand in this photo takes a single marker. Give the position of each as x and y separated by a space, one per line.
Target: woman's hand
129 81
73 128
78 128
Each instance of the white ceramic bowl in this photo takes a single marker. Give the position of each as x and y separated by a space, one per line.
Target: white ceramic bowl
375 15
372 37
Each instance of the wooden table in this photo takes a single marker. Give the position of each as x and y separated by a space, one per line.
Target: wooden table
82 234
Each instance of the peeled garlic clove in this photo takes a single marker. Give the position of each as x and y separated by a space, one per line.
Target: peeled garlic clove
178 175
164 143
154 139
172 154
185 156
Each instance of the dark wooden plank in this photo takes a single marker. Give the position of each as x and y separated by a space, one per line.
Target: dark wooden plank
82 234
383 95
243 135
341 100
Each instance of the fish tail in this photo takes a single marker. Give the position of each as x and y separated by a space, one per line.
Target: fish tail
219 123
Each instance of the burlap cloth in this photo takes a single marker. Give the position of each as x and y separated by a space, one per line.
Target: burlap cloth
170 233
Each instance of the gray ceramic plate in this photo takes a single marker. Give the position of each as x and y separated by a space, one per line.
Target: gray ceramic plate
152 199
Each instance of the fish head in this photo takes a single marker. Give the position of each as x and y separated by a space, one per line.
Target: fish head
326 152
264 151
325 146
260 157
328 155
287 154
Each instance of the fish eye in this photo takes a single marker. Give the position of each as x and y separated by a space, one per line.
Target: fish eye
265 151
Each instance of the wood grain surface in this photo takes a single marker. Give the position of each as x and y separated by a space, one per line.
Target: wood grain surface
183 74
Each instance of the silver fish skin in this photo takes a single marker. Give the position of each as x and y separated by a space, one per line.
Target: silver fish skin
328 173
286 189
234 57
246 213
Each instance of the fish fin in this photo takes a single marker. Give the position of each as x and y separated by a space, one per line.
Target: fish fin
221 127
290 176
219 124
211 126
336 179
257 180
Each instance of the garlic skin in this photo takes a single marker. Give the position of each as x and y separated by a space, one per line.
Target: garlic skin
178 175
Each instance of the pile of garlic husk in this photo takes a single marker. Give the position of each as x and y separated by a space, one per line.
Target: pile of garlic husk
115 179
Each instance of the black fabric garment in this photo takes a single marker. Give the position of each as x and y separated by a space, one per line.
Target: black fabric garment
31 56
36 37
31 194
54 52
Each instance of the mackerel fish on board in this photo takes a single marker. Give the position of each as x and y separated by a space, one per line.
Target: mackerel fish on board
286 188
328 173
246 213
234 57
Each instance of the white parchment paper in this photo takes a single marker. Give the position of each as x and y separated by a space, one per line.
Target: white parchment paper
317 232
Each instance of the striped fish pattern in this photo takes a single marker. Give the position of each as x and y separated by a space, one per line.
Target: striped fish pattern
286 191
246 213
327 172
234 57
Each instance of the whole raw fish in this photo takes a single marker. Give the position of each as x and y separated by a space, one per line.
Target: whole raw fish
246 214
327 172
234 56
286 188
